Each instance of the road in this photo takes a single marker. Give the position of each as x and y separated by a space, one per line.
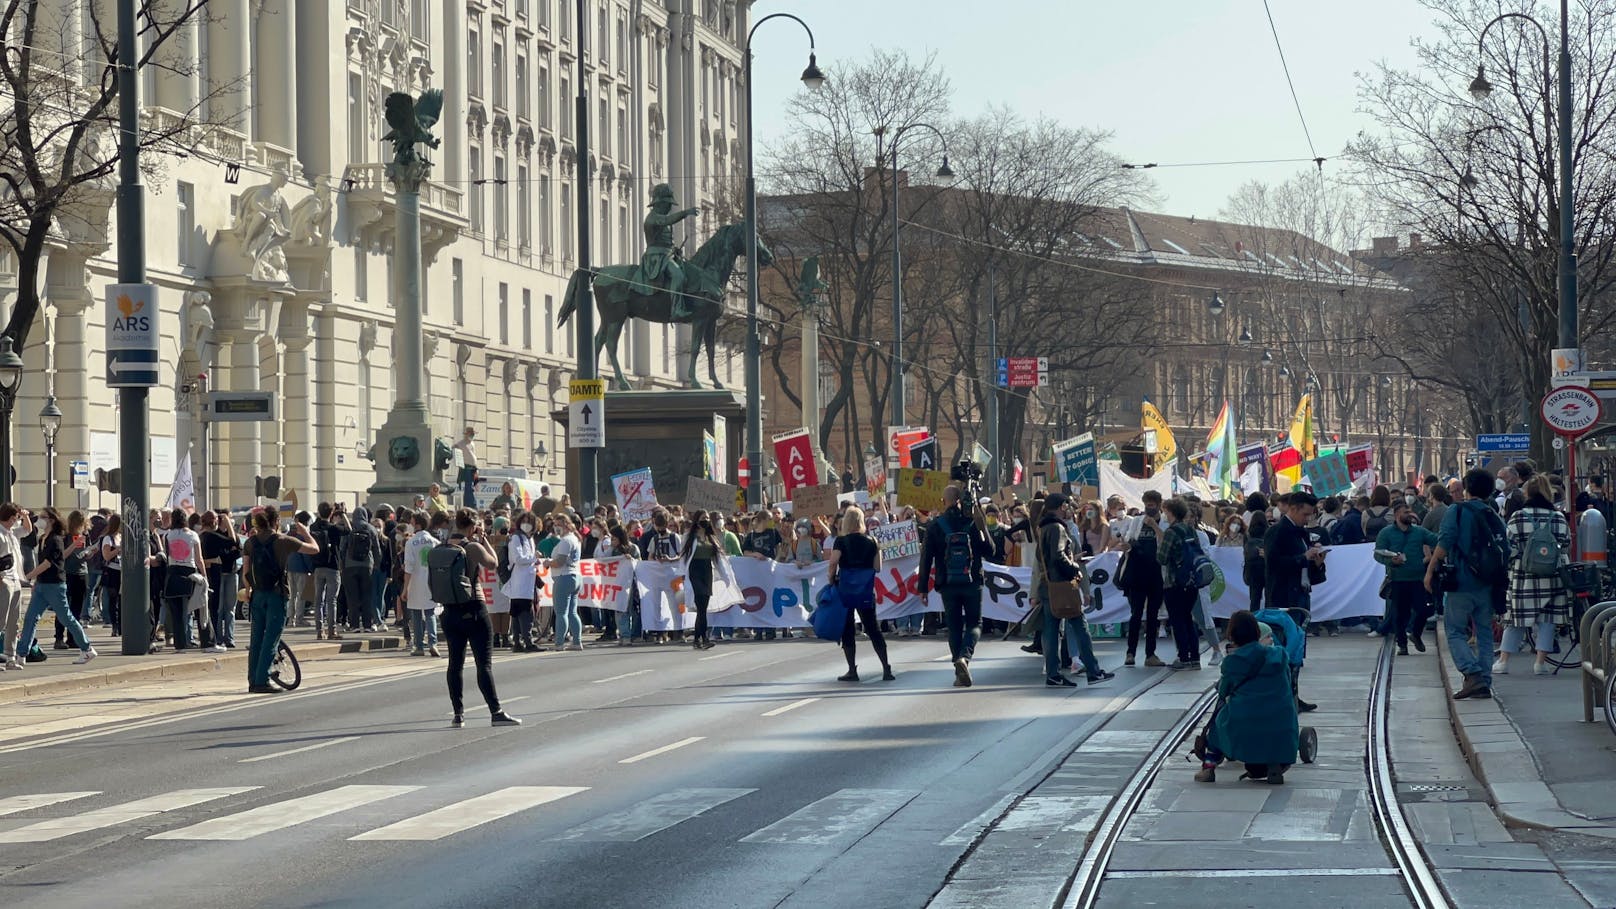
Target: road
744 776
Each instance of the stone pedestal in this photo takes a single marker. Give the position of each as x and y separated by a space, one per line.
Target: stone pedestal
661 430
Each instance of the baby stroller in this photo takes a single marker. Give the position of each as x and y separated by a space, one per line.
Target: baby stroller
1290 635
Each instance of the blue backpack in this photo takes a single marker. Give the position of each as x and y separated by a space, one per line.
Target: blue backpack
830 614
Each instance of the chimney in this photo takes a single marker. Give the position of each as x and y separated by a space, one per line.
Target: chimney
1414 241
1383 246
876 177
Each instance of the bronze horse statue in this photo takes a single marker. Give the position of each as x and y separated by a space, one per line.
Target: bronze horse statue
707 274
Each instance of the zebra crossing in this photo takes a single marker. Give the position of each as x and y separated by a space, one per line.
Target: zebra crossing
834 820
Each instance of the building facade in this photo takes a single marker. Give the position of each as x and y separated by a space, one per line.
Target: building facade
271 240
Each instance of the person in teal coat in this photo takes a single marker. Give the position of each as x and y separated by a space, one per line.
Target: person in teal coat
1255 722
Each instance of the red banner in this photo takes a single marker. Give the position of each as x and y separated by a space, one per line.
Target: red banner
794 452
905 439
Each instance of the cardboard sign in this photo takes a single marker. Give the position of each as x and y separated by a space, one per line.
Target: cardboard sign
899 540
1328 474
636 496
875 474
1077 462
922 489
1009 495
923 454
710 495
811 501
794 452
903 438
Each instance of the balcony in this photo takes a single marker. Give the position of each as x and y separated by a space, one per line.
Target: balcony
372 210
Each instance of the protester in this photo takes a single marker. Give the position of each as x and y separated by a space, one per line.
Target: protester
328 534
701 550
853 564
1140 577
1054 564
1474 590
417 589
453 569
111 574
521 582
76 572
564 585
955 545
267 555
1539 539
1403 548
221 553
1178 546
50 588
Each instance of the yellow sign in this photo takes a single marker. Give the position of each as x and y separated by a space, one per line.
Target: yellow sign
922 489
587 389
586 413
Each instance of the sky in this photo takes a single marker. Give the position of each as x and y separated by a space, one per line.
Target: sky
1172 80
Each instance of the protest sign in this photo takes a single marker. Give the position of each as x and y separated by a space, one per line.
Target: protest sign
710 496
898 540
794 452
922 489
809 501
636 496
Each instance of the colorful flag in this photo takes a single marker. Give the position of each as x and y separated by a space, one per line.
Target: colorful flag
1166 446
1302 429
1016 472
1286 463
1222 453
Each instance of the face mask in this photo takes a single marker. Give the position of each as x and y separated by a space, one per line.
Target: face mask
1498 485
993 522
527 528
44 525
1411 499
1152 512
1091 515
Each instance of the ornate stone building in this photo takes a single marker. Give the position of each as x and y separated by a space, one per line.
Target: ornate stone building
271 242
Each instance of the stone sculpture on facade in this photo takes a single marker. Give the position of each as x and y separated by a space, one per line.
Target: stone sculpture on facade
262 226
199 325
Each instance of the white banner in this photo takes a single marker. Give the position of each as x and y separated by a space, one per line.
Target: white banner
182 493
1113 482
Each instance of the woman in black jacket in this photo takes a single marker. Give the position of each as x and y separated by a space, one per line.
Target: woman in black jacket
1056 564
853 564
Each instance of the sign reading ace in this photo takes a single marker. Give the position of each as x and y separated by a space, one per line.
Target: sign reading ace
794 452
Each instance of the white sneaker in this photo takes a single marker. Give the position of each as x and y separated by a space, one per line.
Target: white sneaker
575 647
13 665
216 648
1541 669
1500 667
85 657
1373 633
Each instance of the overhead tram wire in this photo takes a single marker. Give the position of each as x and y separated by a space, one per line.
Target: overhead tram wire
1295 99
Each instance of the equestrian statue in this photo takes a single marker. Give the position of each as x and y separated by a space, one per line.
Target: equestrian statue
664 287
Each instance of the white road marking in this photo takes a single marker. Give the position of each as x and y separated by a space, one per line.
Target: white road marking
719 656
19 803
790 707
462 816
280 815
653 815
842 816
56 828
1255 872
316 746
626 675
663 750
968 832
520 697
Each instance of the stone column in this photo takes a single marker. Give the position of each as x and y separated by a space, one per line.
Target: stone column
325 407
230 63
297 414
72 376
275 104
242 460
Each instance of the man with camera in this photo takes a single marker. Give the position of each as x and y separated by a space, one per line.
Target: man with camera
453 573
956 544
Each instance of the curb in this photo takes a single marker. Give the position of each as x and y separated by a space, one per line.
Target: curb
92 679
1519 796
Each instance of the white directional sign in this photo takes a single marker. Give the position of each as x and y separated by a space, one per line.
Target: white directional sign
586 427
132 336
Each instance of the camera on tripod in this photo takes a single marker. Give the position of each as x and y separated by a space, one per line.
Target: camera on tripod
968 474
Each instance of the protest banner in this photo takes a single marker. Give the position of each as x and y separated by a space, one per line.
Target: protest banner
922 489
636 495
710 496
810 501
903 438
794 452
1329 474
1077 462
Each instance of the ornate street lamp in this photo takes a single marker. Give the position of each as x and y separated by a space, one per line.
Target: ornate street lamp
11 367
50 423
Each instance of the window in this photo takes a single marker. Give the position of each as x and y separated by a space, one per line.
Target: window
498 75
604 136
1181 391
602 35
524 214
564 17
390 277
521 86
544 96
527 319
356 119
361 280
504 313
457 276
544 215
476 189
622 230
566 223
185 205
544 13
570 336
549 324
622 45
622 133
420 20
667 350
605 235
502 231
566 107
474 64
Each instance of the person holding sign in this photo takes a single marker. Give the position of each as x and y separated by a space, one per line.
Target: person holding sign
853 564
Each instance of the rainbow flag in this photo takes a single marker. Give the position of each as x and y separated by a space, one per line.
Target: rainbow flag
1223 456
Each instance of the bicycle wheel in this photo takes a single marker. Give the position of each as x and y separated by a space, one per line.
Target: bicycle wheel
1564 653
285 672
1610 705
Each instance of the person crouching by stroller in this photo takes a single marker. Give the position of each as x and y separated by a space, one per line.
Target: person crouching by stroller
1255 720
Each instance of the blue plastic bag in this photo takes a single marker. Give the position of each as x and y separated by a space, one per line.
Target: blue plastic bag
829 615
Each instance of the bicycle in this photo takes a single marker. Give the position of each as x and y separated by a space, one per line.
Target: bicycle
284 671
1582 582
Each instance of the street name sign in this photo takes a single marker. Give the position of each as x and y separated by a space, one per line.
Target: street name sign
1023 372
133 335
1571 411
1504 441
586 409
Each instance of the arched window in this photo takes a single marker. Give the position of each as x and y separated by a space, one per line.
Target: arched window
1181 390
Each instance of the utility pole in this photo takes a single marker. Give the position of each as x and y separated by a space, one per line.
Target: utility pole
588 458
133 425
997 467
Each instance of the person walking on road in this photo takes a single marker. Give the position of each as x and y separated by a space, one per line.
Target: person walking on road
1178 544
1056 564
453 569
267 554
1539 539
702 551
1139 575
854 561
955 546
1403 548
50 587
417 591
1475 539
564 585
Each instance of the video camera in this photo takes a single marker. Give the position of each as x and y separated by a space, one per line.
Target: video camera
968 474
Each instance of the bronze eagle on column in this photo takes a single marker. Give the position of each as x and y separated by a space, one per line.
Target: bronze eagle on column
412 120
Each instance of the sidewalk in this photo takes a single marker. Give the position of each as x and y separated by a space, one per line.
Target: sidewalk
1543 767
59 675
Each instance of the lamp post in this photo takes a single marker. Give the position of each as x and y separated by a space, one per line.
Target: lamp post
10 378
587 365
945 172
541 459
1480 88
813 78
50 423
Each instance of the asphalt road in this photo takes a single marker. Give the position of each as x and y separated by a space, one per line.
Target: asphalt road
744 776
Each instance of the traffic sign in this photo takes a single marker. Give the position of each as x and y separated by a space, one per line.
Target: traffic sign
1504 441
1571 411
1024 372
79 474
133 335
586 424
239 407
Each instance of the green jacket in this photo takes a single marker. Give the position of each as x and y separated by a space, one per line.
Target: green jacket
1411 543
1256 719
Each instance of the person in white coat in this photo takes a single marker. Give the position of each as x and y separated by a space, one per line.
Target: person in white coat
417 591
522 553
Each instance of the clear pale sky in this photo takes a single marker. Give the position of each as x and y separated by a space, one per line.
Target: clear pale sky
1173 80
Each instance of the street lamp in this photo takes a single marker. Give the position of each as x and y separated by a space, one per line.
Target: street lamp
50 423
1268 357
541 458
897 261
1245 336
10 377
1480 88
1215 305
814 79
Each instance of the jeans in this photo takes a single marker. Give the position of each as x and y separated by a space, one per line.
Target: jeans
423 628
1144 606
1180 617
327 587
296 582
77 603
566 610
468 487
1462 608
962 609
54 598
1409 607
267 613
628 622
112 599
356 588
1078 643
1515 636
378 597
222 608
911 623
462 628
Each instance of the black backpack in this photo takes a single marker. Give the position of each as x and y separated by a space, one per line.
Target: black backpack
1485 549
446 576
359 546
321 532
267 573
954 570
1140 569
504 569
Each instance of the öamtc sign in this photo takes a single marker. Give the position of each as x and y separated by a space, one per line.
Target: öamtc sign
1571 411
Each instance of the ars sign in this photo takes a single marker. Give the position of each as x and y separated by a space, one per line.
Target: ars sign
132 336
